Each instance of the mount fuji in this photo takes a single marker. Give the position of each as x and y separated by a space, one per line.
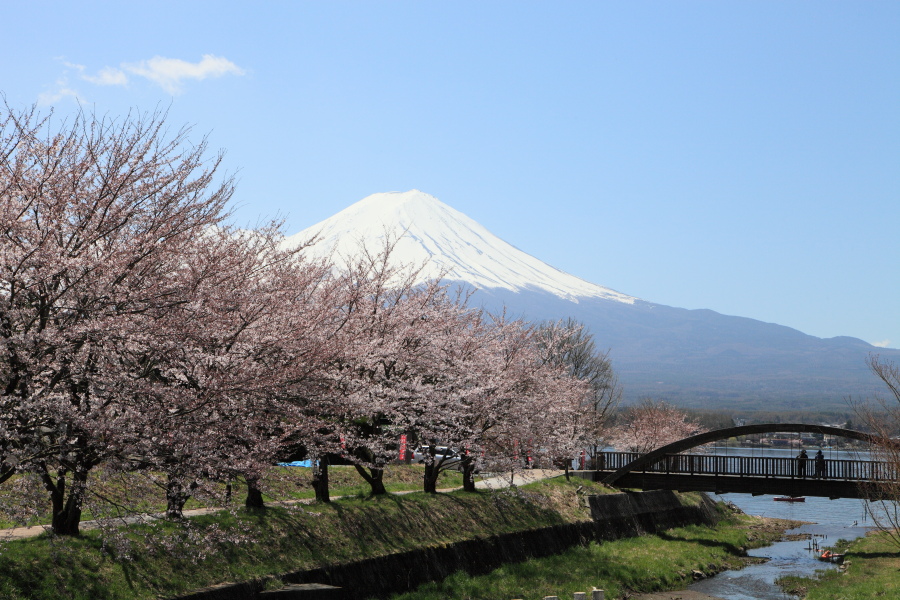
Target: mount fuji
695 358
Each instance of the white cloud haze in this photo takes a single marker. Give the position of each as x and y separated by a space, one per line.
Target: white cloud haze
63 90
168 73
107 76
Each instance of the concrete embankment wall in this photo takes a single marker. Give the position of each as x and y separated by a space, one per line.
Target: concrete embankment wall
613 516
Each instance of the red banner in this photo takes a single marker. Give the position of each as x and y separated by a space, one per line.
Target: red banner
403 447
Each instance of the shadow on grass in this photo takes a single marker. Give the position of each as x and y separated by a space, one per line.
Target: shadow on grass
727 546
868 555
167 558
60 568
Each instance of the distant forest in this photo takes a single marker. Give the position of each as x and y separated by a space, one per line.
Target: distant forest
720 419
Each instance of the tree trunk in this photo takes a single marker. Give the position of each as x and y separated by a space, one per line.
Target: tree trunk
431 477
320 479
468 470
7 471
67 510
66 516
254 500
375 479
176 497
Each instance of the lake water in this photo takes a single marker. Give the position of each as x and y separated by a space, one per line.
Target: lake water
833 520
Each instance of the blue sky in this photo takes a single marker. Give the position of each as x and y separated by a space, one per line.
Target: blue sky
738 156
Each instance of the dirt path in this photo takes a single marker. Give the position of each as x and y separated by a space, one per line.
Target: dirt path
521 478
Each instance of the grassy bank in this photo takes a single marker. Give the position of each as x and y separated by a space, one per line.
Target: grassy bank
871 570
143 491
166 559
622 567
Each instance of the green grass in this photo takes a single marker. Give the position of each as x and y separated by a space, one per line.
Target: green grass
872 571
140 493
166 559
621 567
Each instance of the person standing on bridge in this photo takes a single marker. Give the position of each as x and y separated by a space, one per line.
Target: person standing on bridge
801 463
820 465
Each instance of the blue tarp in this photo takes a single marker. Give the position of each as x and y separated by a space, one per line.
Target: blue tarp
297 463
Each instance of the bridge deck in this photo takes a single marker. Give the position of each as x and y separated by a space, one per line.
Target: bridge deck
756 466
747 474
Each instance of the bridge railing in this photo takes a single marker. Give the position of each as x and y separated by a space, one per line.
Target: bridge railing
752 466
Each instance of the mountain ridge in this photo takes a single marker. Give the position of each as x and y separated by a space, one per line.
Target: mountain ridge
694 357
453 243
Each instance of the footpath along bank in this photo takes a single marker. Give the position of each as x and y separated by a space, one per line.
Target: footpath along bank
366 546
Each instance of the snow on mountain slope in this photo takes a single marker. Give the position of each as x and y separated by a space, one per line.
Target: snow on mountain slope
696 358
448 240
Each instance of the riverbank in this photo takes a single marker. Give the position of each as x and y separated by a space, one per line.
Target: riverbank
870 569
624 568
167 559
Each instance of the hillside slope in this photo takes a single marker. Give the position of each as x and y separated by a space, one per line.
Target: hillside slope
697 358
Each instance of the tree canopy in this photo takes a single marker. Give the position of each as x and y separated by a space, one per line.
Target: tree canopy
141 332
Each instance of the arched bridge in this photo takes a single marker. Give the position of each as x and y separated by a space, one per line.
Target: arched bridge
668 468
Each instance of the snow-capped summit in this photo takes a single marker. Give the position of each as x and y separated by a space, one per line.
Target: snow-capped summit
449 241
690 357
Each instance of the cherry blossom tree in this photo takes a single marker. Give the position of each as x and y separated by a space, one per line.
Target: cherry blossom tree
445 375
497 398
450 409
567 343
238 382
358 308
417 361
95 217
138 331
651 424
388 331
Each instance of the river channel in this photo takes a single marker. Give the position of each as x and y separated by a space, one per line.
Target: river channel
831 520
